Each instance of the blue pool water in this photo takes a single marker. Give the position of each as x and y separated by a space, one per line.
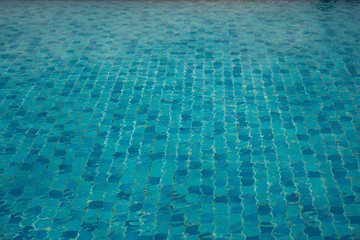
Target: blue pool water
179 119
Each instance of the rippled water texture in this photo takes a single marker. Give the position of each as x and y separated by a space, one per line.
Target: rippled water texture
179 119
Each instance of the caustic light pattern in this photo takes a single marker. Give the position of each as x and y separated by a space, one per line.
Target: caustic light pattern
179 119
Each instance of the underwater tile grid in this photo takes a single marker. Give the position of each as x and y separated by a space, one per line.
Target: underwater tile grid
179 120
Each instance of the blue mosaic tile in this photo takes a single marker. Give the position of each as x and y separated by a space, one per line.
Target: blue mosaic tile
179 119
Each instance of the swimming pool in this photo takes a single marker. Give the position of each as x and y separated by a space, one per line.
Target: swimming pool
179 119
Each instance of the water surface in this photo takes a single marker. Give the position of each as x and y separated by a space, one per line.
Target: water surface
179 119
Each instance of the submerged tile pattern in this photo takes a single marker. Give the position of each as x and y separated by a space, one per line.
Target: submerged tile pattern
171 120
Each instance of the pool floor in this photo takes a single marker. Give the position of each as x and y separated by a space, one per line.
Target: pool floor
180 120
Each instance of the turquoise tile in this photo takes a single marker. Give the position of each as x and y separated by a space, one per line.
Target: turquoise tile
179 119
